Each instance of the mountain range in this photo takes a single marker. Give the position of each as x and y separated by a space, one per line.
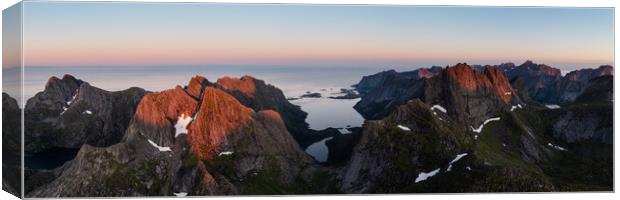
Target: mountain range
461 128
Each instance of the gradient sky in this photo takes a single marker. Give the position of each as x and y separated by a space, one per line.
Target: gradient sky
125 34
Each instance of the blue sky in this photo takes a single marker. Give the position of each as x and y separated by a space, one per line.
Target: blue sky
96 34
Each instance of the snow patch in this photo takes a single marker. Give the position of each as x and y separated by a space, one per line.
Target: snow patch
180 194
438 107
515 107
88 112
423 175
479 129
63 110
404 128
457 158
552 106
162 149
225 153
556 147
181 125
344 131
73 97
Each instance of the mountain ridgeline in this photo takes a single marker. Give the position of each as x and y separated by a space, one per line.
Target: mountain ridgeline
480 129
460 128
199 139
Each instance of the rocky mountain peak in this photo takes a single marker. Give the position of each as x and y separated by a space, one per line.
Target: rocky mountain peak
500 83
541 69
606 69
195 85
466 77
245 84
491 77
459 88
220 114
158 112
424 73
258 95
64 87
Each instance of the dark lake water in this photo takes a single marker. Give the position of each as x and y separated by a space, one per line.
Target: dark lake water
50 159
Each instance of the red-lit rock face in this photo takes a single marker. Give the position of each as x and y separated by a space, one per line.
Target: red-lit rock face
220 115
195 85
492 78
466 77
272 115
161 108
500 83
245 84
424 73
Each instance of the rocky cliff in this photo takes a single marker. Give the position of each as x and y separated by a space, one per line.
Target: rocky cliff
258 95
371 82
71 112
575 82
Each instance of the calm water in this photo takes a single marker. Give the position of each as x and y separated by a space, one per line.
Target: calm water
319 150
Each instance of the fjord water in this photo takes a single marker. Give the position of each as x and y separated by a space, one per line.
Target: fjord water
292 80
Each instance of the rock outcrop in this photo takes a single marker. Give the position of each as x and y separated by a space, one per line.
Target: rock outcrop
598 89
368 83
71 112
258 95
575 82
585 122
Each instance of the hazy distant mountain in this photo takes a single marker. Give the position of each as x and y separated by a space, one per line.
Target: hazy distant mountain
545 84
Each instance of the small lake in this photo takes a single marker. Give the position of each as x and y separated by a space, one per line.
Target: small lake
50 159
319 150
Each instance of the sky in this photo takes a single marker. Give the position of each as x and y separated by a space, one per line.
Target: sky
145 34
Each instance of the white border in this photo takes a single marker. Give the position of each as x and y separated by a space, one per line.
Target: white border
559 3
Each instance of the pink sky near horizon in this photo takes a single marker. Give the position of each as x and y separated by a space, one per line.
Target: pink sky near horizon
236 34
